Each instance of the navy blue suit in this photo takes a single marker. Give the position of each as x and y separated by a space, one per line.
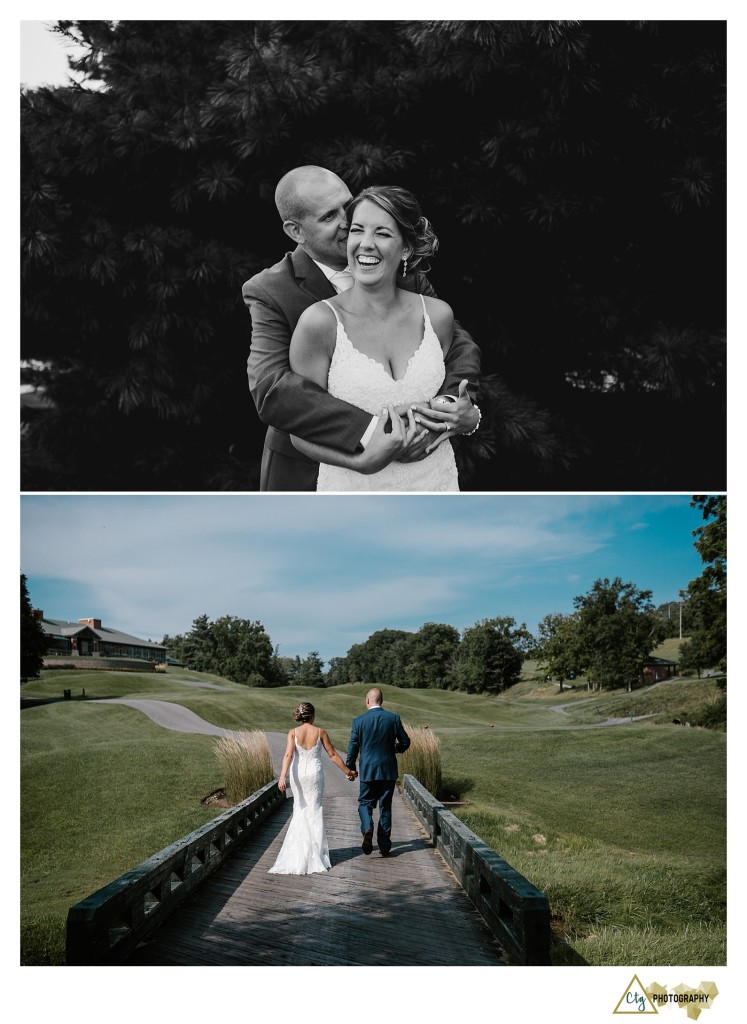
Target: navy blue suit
377 736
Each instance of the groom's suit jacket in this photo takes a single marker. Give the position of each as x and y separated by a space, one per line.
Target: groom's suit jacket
290 404
377 736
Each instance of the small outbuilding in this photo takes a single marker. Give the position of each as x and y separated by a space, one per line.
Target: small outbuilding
656 669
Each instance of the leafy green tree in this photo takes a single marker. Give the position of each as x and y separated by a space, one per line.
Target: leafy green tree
33 639
491 654
235 648
244 651
707 594
581 214
616 631
288 668
174 647
558 646
310 673
199 647
432 656
382 659
338 672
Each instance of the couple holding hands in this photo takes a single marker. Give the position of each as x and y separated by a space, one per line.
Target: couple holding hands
376 737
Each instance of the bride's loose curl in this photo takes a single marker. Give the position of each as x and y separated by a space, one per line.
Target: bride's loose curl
416 229
304 712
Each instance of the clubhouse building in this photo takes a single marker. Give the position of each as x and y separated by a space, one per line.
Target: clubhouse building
88 638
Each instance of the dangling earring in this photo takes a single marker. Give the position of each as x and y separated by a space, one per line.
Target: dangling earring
404 267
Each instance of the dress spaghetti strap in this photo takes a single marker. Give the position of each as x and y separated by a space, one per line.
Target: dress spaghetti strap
426 318
328 303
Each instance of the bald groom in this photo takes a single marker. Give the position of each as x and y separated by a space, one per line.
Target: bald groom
376 736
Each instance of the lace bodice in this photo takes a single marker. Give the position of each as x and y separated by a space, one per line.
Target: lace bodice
364 382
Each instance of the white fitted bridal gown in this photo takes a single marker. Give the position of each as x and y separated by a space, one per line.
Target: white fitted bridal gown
305 850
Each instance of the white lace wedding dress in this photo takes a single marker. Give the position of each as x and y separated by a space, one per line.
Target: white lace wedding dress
305 850
364 382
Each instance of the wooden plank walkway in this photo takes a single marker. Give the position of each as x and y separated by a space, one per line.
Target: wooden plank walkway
406 909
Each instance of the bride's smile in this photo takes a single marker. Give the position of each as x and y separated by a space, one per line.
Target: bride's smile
375 243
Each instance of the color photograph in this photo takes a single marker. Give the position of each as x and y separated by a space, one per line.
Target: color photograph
499 697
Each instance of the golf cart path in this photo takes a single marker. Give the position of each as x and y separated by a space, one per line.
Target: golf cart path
170 716
562 709
180 719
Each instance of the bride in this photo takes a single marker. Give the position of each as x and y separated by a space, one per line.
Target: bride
382 349
305 850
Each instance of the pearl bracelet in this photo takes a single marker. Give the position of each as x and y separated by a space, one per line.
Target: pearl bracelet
477 425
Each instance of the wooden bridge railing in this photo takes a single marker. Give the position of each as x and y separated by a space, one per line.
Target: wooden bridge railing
517 913
105 927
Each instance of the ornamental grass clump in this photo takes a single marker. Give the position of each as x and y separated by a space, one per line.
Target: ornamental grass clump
246 763
422 759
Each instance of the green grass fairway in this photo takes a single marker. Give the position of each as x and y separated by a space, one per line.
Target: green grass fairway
622 826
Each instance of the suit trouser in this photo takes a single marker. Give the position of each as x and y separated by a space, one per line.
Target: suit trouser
372 792
279 472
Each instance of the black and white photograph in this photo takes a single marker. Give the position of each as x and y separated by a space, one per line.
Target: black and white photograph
528 220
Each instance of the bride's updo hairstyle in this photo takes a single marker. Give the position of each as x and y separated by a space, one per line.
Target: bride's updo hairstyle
304 712
416 229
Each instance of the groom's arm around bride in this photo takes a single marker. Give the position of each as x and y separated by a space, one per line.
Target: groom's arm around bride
311 202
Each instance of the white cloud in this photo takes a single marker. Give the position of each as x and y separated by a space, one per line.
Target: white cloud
317 570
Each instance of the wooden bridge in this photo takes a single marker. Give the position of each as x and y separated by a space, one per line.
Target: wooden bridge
440 898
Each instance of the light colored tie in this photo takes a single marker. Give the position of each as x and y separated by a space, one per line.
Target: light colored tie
342 280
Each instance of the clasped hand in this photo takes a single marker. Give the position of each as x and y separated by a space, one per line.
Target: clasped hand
443 421
408 433
394 433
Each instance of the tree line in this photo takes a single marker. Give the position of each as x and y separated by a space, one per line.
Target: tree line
613 628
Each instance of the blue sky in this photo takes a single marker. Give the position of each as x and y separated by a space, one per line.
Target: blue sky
323 572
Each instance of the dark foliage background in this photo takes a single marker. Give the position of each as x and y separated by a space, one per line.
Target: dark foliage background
33 639
575 174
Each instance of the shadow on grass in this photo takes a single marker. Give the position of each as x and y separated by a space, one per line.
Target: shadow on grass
35 702
76 698
564 955
454 789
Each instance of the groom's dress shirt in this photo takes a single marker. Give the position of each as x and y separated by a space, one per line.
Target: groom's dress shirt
340 280
290 404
